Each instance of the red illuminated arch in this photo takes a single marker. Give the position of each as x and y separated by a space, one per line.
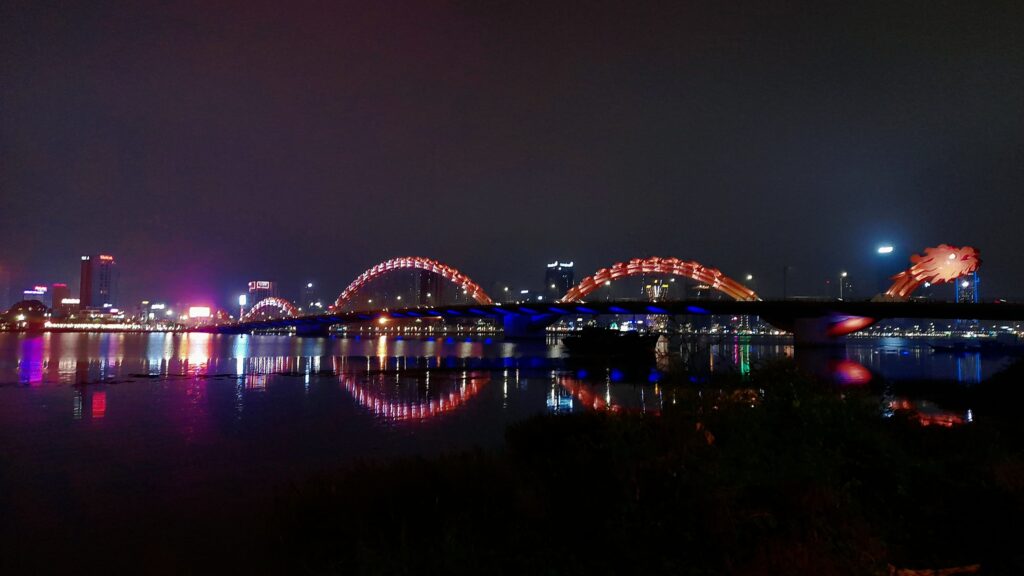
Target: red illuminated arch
264 306
414 263
654 265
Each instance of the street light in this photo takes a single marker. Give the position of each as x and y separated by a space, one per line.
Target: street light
842 280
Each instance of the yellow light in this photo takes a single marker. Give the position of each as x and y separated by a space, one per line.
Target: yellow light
382 320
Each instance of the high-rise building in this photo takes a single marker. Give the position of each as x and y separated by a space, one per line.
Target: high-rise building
558 279
967 289
85 283
428 290
58 292
310 296
261 290
98 282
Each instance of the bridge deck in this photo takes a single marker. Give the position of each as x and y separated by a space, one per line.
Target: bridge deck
775 309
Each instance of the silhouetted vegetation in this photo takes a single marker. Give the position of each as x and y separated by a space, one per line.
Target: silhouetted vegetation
778 475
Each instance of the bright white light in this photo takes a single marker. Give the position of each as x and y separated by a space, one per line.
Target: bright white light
952 256
199 312
965 284
310 285
242 299
749 277
843 275
885 249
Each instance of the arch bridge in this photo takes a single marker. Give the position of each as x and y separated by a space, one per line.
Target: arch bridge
811 322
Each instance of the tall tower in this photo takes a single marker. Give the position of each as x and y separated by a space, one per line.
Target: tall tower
558 279
98 284
967 289
85 284
261 290
105 288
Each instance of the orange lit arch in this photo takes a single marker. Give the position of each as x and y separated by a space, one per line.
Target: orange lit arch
668 266
262 307
414 263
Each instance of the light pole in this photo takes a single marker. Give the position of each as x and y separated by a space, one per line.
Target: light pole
842 280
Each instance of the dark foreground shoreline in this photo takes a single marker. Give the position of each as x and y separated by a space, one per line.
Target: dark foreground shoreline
779 474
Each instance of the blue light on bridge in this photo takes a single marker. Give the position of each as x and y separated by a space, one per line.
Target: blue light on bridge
696 310
453 312
616 375
434 312
657 310
479 312
585 310
558 310
618 310
413 314
528 310
397 315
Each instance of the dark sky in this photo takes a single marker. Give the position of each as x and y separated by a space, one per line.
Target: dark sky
209 143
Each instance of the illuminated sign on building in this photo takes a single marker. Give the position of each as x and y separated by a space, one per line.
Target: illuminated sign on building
199 312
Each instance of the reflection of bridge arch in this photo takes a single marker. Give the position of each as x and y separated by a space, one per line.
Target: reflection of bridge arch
261 308
654 265
398 410
414 263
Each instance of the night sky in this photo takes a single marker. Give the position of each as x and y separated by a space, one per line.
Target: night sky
210 143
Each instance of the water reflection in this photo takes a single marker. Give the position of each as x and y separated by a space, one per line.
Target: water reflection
568 391
30 363
386 397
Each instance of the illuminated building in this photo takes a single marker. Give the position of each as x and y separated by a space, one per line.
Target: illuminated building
428 289
39 294
966 290
310 296
58 293
98 282
558 279
261 290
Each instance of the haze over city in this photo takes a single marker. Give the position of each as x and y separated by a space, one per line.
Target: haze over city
209 145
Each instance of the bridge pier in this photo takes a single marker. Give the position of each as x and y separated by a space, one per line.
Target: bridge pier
815 331
523 328
313 330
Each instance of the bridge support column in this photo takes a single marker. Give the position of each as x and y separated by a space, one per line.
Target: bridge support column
522 328
815 332
313 331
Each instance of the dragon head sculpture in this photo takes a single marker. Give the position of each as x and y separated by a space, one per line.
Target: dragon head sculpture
943 263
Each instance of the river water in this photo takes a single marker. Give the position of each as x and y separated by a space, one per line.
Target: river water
136 425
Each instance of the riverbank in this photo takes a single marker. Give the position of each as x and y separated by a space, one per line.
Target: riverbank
780 476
